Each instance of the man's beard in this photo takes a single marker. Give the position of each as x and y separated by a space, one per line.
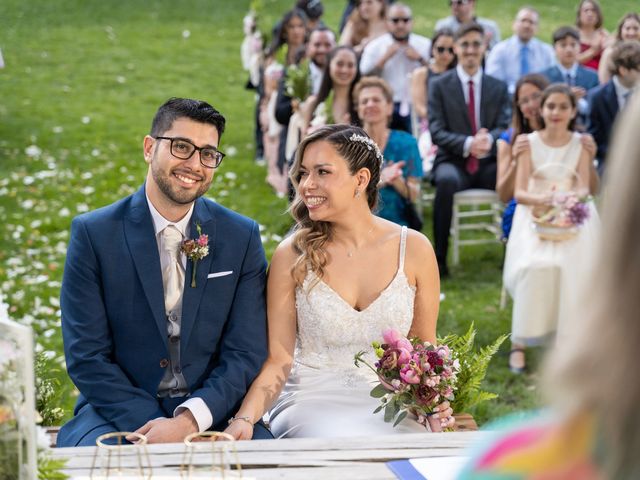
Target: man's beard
176 195
398 38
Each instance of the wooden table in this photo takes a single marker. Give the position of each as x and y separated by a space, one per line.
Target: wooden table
347 458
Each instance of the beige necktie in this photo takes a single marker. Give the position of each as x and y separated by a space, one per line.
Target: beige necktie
173 273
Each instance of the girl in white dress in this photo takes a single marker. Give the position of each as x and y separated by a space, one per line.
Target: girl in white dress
343 277
542 275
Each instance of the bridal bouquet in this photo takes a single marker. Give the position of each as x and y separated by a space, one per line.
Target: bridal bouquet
562 219
414 376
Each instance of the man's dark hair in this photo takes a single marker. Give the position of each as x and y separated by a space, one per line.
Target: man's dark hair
565 32
468 28
313 8
195 110
625 54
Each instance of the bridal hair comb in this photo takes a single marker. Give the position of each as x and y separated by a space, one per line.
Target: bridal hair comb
370 144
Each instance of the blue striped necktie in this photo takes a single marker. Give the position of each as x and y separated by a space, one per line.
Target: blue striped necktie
524 59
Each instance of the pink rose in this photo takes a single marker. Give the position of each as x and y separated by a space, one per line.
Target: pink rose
395 340
203 240
409 375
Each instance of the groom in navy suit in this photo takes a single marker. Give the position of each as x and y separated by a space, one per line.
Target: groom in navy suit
155 342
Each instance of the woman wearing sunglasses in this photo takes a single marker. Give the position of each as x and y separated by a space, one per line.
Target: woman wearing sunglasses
442 59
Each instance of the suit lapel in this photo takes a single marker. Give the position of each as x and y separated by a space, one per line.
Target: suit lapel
192 296
139 233
485 97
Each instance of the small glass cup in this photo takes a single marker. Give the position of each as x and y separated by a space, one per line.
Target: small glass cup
115 457
210 455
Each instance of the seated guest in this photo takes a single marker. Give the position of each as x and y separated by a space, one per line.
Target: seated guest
334 101
584 436
464 11
593 38
566 43
442 59
366 23
611 97
402 170
521 53
321 42
468 111
628 29
393 57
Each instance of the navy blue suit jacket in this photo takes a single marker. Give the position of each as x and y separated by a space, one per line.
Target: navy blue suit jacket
602 114
585 78
449 122
114 323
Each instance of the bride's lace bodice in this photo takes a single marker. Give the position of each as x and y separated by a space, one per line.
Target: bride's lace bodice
331 332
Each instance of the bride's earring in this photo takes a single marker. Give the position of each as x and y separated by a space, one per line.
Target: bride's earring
357 194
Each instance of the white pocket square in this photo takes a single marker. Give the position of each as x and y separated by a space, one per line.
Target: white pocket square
219 274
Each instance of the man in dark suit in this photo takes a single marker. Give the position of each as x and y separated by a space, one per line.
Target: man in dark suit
468 111
154 344
608 100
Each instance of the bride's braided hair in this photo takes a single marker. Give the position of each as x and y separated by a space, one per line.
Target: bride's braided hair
359 151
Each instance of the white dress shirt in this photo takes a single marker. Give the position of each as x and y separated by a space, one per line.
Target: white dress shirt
504 63
622 92
196 405
315 72
397 70
477 89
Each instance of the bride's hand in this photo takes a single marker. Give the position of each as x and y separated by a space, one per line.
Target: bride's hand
240 430
443 418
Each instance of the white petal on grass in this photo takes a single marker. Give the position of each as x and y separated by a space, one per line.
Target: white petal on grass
33 151
231 175
86 119
28 180
86 175
66 88
64 212
27 204
186 34
231 151
120 79
82 207
88 190
95 152
57 129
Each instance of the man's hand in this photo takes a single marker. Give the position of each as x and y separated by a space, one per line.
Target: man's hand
391 51
169 430
589 144
578 92
481 143
412 54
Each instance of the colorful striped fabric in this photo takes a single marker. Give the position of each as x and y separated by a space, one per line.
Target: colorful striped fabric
541 449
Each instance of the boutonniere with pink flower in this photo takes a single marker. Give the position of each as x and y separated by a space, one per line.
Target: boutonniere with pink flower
195 249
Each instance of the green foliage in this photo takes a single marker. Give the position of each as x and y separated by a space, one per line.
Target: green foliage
473 368
51 469
298 81
47 392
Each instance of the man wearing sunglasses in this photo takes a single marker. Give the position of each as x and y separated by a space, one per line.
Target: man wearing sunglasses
160 341
394 56
463 12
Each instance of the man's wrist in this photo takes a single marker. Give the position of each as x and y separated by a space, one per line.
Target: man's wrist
189 420
246 419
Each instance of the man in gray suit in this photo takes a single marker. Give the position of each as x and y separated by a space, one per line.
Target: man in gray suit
468 111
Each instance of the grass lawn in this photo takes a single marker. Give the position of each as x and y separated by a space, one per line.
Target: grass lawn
82 81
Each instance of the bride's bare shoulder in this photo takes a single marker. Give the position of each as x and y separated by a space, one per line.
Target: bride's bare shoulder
285 253
419 250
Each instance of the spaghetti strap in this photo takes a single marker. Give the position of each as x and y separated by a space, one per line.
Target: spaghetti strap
403 244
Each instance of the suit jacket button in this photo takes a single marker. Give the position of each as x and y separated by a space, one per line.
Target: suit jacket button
164 363
177 370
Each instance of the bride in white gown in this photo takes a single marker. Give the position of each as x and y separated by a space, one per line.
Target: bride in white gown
342 278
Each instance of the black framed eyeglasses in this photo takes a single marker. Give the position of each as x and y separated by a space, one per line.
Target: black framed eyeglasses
183 149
